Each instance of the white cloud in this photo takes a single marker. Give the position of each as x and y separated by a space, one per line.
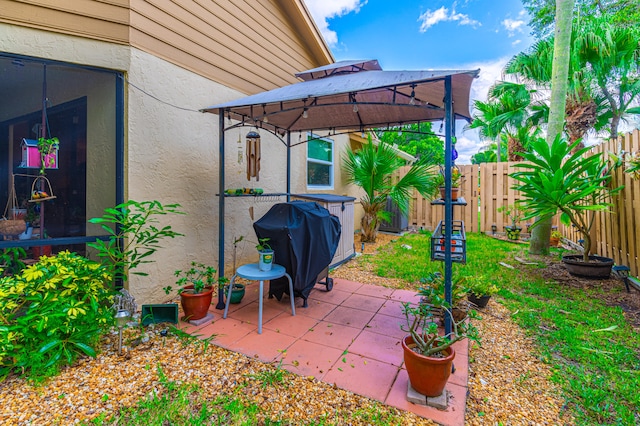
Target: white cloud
513 25
516 42
431 18
322 10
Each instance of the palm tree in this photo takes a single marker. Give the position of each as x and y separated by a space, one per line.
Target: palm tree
507 111
539 243
372 168
603 76
612 53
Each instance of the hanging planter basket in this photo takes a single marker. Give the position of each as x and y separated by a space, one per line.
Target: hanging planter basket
14 225
44 194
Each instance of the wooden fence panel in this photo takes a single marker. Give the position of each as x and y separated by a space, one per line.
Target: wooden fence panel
617 234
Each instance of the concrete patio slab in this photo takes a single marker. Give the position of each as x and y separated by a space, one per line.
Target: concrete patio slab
348 337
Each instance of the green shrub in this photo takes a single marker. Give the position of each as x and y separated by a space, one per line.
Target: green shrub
52 312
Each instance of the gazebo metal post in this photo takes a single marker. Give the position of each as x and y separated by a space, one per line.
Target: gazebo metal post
288 166
448 208
221 132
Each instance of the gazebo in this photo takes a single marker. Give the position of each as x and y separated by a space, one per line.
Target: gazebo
352 96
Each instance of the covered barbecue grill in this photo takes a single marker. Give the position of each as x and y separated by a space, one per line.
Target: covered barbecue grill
304 237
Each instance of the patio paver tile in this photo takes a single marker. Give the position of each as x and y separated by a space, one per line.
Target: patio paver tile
376 346
365 303
352 317
249 313
461 375
375 291
316 309
461 347
386 325
291 326
313 359
333 335
362 375
266 347
392 308
345 285
334 296
405 296
227 331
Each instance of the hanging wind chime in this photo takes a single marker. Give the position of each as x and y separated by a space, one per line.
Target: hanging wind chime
253 155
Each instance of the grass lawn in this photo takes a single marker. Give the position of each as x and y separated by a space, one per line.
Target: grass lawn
593 351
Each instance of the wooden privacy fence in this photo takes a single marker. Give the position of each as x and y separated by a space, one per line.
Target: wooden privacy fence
424 215
487 187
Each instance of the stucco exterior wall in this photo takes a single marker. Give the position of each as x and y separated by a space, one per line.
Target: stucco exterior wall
171 153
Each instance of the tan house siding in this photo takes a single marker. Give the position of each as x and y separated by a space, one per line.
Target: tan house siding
106 20
250 46
246 45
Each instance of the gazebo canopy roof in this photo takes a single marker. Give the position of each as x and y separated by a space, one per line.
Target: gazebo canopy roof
353 95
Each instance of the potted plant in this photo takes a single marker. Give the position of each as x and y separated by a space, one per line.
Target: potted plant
553 179
554 239
266 254
47 148
195 287
515 214
428 355
237 292
455 183
480 291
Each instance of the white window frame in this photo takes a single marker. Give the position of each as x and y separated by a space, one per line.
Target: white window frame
331 163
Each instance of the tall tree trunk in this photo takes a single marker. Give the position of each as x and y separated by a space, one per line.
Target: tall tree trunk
559 85
514 146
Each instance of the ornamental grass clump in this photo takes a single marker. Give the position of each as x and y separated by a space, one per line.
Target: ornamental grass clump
51 313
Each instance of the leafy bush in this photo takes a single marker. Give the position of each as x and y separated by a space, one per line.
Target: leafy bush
52 312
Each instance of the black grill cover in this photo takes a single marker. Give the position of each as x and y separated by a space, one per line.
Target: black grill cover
304 237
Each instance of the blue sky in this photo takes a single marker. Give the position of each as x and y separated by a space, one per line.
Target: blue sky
428 34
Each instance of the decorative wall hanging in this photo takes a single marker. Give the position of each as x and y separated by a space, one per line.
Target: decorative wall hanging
41 190
253 155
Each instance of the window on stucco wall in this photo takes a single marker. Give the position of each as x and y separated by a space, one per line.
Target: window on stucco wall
80 106
319 162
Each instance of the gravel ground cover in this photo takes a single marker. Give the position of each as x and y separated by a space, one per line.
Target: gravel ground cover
507 385
110 382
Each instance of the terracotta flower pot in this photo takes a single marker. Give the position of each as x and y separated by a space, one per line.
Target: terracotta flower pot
195 306
454 193
428 375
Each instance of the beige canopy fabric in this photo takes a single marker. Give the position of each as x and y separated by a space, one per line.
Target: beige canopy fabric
353 95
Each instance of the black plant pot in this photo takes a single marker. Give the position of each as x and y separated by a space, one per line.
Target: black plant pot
598 267
479 301
513 232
